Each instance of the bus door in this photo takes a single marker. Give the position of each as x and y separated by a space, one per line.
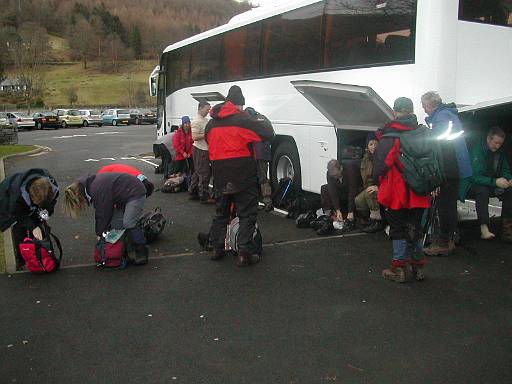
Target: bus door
353 110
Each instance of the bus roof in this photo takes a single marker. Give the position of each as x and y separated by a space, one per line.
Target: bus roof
251 16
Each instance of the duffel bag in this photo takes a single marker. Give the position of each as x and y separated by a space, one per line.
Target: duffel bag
110 255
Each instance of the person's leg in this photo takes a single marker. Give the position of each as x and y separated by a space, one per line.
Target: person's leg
219 225
415 243
264 182
325 198
247 211
481 194
397 220
194 181
506 215
375 215
137 249
204 173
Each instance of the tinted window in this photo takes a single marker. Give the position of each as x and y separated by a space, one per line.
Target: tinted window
359 32
205 61
497 12
292 41
49 114
123 112
241 57
73 113
178 69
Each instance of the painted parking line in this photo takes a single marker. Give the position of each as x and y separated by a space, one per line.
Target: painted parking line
144 160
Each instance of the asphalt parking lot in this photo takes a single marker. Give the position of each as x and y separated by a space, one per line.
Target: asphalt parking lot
315 310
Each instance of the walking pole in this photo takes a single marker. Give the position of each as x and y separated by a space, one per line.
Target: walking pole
430 219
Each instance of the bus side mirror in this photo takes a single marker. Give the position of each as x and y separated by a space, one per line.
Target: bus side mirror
152 86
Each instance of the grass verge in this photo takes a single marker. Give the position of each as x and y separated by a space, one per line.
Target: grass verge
12 149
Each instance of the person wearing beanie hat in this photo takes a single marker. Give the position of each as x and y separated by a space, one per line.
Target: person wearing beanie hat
404 208
235 96
231 134
182 142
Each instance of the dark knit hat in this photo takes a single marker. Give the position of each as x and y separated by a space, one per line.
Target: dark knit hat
185 120
235 95
404 105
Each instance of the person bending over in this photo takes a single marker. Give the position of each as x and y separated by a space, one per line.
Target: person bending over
24 197
118 200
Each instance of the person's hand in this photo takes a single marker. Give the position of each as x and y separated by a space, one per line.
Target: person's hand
435 192
98 238
38 234
339 215
185 155
372 189
510 183
502 183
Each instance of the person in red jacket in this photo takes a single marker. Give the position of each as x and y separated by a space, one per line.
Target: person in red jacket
183 143
124 168
404 208
231 134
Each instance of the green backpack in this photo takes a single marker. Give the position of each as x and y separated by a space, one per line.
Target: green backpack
420 156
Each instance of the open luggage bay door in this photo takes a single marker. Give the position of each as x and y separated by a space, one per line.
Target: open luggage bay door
353 111
346 106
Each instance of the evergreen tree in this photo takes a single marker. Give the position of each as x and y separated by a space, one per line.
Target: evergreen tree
136 42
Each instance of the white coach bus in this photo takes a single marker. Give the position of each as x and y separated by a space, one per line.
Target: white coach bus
326 72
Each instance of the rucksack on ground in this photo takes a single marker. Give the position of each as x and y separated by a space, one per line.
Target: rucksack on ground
153 224
110 255
174 184
232 237
421 158
39 255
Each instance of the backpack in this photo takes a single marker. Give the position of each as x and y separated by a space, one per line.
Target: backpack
174 184
421 158
39 255
110 255
153 224
232 237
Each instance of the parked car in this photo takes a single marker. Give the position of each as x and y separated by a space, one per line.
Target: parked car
116 116
142 116
21 121
46 120
4 120
91 117
69 117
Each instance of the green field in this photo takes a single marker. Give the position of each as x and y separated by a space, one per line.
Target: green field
95 88
12 149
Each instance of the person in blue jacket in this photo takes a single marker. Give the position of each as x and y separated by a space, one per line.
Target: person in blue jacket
443 119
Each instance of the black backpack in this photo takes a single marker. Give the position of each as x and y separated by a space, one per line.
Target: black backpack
153 224
420 156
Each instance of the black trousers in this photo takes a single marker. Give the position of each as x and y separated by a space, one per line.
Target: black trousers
447 208
405 224
246 209
482 193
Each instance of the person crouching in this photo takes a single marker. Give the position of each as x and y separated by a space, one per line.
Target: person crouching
118 199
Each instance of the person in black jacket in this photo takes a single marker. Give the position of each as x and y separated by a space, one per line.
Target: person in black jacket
230 135
24 197
118 199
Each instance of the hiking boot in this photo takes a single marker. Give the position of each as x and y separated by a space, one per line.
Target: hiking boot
374 226
439 247
418 272
254 258
396 274
349 225
217 254
138 255
193 196
204 241
207 201
269 207
506 229
243 259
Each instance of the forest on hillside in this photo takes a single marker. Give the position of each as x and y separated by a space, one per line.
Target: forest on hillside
106 32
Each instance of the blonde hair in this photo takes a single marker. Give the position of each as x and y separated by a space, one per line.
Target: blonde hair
41 191
74 200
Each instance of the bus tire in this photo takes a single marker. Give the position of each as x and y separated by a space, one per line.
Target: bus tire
285 163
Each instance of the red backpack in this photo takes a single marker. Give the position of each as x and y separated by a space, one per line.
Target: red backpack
39 255
108 255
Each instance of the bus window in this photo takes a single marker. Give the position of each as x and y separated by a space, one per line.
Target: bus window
241 53
178 69
496 12
204 62
361 33
292 41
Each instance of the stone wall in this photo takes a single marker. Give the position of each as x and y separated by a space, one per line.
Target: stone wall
8 135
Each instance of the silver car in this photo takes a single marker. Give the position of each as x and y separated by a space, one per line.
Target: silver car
21 121
91 117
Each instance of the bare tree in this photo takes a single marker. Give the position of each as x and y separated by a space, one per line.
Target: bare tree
71 95
82 40
28 54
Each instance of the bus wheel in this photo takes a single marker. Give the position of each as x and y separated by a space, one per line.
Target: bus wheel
285 163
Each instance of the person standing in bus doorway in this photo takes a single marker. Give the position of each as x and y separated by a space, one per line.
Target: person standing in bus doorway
230 135
404 208
443 119
201 178
263 153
